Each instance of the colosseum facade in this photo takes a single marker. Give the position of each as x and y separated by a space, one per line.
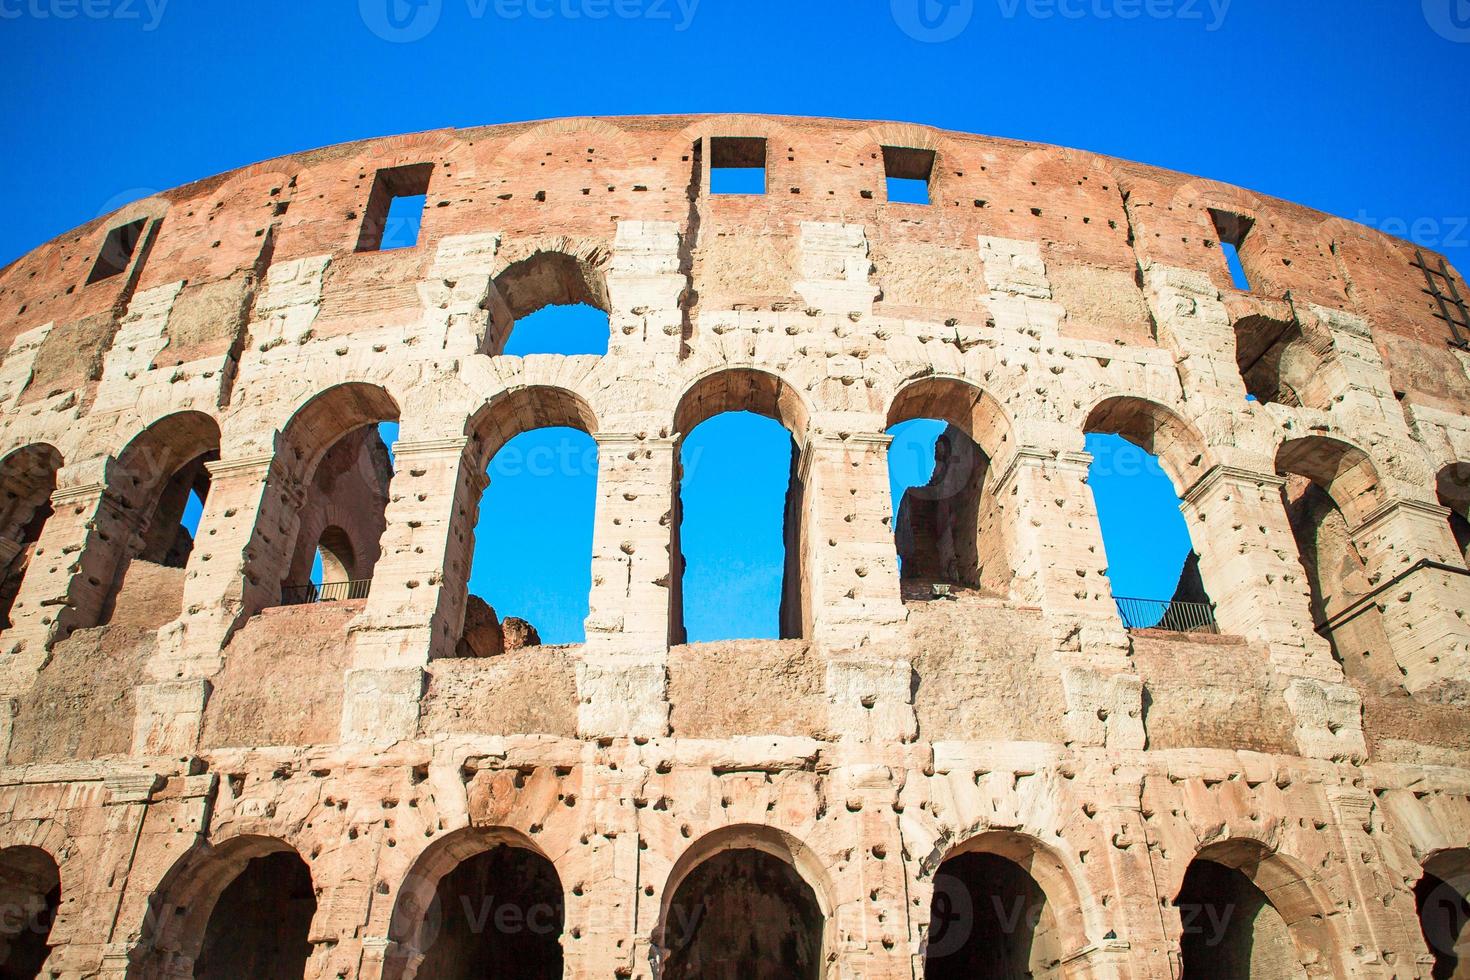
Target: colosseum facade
981 771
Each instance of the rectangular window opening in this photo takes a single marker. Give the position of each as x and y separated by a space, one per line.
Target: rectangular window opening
117 251
737 165
908 171
395 208
1233 229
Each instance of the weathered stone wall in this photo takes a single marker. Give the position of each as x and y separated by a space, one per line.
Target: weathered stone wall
174 738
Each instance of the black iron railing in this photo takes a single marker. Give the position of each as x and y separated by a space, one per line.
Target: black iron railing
305 595
1167 614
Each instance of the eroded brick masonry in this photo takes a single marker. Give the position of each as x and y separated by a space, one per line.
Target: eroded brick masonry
976 770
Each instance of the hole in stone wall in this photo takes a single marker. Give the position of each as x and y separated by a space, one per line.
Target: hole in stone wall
550 303
1230 928
27 480
117 251
1232 230
908 171
737 165
395 208
989 918
937 474
261 923
30 894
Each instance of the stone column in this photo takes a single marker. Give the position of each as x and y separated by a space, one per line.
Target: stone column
1424 611
622 679
850 589
245 534
415 609
70 573
1055 545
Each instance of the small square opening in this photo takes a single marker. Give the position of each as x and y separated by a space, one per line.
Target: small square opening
117 251
1233 229
737 165
908 171
395 208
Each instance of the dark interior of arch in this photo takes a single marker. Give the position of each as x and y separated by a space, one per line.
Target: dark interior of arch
989 918
938 528
30 893
743 915
261 923
1444 915
499 914
27 481
1231 930
344 508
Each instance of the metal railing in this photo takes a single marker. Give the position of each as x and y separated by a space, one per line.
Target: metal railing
305 595
1167 614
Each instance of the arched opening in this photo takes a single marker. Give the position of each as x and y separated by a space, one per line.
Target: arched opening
743 914
1453 489
1142 457
1247 912
1279 362
1331 488
737 545
1003 906
948 526
550 303
242 909
27 480
481 903
337 445
261 923
30 894
1442 897
529 573
162 484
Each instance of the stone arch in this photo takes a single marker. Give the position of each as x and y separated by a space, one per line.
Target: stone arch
1442 899
1281 361
1156 429
1452 488
508 414
741 389
430 929
339 558
746 858
27 480
1342 470
561 272
154 475
242 907
1281 923
527 143
30 894
953 530
335 470
1008 903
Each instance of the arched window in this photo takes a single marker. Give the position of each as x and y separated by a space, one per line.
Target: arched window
550 303
1453 488
992 916
739 907
27 480
947 526
1330 488
479 903
162 484
30 894
337 445
1442 897
1142 457
737 546
529 571
243 908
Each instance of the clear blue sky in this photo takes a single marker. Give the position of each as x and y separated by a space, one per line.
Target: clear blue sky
1353 107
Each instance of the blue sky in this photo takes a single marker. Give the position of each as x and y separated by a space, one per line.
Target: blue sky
1351 107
